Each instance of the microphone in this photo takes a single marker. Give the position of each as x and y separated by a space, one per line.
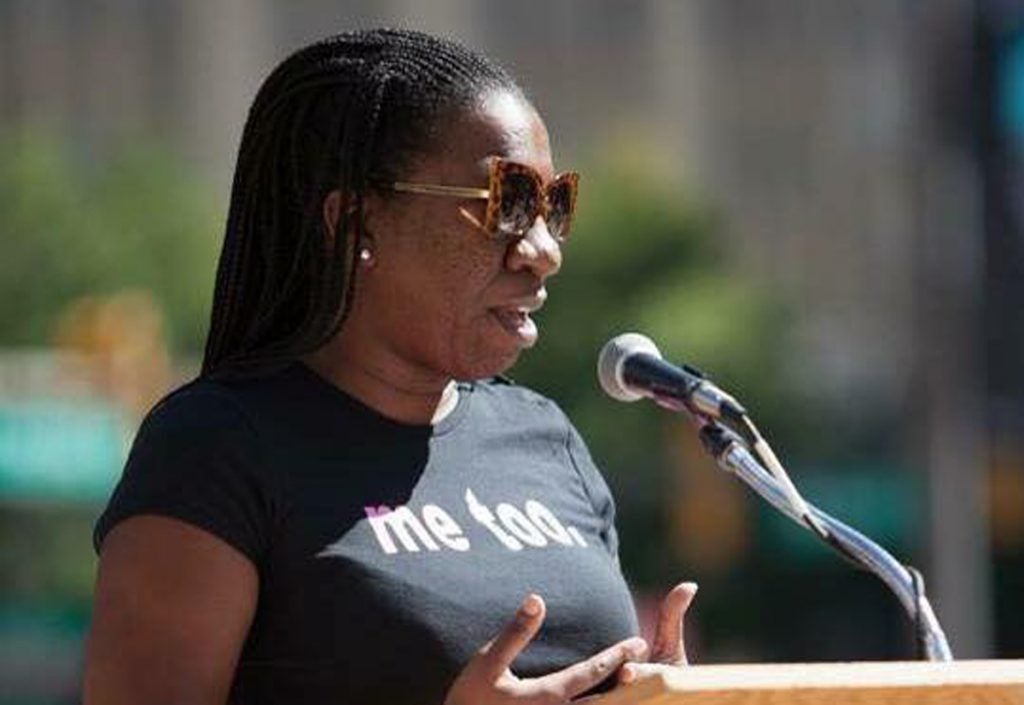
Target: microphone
630 367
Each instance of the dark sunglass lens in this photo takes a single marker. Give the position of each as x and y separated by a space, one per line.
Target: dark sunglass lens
560 212
519 200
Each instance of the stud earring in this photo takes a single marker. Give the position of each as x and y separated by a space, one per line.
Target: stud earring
365 255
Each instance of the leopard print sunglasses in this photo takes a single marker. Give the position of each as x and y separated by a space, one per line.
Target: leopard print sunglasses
516 196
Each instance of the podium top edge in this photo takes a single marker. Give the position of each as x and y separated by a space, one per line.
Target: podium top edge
861 674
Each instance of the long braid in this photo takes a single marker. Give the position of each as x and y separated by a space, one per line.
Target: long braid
330 117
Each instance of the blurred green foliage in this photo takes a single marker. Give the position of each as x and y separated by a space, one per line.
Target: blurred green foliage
646 257
73 223
46 554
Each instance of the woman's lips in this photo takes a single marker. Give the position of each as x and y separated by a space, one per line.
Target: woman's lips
517 323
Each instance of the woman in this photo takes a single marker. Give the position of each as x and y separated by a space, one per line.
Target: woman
326 514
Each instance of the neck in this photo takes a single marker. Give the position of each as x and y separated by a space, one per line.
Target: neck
397 392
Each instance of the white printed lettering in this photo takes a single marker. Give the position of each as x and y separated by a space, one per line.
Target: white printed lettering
444 528
403 522
516 522
577 536
483 515
547 522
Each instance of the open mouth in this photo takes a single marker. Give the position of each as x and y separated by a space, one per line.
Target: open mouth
517 323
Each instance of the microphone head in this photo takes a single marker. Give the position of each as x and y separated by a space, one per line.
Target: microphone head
613 356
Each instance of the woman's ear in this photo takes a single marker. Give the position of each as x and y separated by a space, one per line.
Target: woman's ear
334 204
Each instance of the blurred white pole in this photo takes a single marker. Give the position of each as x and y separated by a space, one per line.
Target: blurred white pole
950 335
679 44
37 44
227 47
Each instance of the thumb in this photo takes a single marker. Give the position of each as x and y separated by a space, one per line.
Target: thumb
669 644
498 654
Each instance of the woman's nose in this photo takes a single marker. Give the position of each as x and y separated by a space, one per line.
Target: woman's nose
537 250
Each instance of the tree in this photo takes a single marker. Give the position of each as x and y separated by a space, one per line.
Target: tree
72 226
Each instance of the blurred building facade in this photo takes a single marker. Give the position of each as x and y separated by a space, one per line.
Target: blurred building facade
817 129
837 139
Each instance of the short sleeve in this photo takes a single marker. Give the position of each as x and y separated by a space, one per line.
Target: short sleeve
196 458
596 489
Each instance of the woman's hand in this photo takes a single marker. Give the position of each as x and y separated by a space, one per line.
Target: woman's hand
669 643
488 680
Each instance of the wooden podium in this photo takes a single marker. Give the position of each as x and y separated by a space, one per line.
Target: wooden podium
876 683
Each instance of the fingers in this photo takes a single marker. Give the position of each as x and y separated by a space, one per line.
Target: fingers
498 654
669 642
582 676
631 672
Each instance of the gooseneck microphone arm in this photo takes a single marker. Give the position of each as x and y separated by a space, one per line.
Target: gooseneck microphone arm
630 368
905 583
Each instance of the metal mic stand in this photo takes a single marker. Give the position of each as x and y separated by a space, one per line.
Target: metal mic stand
732 455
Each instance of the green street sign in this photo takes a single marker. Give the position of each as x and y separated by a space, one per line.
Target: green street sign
59 451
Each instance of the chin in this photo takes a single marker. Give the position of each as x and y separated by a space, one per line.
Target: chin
484 366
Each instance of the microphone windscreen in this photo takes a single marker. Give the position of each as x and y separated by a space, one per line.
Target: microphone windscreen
613 356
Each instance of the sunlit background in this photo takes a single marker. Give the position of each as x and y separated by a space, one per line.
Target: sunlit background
819 203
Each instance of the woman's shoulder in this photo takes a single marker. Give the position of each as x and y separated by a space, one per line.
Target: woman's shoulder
201 408
198 400
197 458
207 400
503 394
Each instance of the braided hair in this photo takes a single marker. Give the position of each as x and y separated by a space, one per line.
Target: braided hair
339 114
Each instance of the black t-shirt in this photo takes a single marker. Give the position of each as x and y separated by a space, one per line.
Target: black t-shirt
387 553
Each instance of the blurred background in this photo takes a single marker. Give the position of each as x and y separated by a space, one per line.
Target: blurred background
820 204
